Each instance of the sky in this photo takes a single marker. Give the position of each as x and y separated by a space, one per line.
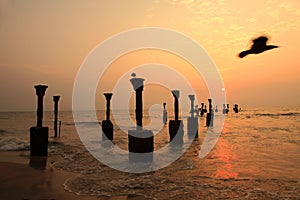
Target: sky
46 42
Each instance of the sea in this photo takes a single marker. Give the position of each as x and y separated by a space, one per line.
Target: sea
256 155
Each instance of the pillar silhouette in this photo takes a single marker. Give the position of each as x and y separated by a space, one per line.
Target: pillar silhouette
55 99
165 114
192 121
216 110
107 126
224 108
140 141
227 109
197 110
210 114
236 108
39 134
202 109
176 126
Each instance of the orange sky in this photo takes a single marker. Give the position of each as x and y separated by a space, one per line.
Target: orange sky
46 42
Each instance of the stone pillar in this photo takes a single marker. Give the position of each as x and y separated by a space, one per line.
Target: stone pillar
210 114
107 126
224 108
202 109
140 142
216 110
197 110
40 92
165 114
236 108
192 99
55 99
192 121
227 109
39 134
176 126
138 86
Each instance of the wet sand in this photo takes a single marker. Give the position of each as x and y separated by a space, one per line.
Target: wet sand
21 178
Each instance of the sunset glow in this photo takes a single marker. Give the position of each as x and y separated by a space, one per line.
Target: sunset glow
46 42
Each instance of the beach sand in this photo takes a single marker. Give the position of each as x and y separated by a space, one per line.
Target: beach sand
22 178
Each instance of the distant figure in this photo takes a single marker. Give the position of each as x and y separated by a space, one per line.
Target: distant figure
216 110
227 109
259 45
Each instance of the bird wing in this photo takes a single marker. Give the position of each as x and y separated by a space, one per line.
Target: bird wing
259 42
244 53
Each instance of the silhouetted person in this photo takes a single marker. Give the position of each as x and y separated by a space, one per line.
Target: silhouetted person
259 45
216 109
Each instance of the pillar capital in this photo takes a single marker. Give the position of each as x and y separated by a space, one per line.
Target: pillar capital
137 83
56 98
108 96
40 89
192 97
175 93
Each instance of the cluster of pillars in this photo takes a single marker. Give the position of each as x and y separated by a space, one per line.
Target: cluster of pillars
141 140
39 134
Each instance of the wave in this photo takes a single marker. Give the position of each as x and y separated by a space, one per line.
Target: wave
277 114
80 123
13 144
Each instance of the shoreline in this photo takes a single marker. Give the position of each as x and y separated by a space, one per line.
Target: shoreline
24 178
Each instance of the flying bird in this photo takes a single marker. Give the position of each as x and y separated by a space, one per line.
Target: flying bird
259 45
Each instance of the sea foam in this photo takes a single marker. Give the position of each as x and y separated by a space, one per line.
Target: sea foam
11 143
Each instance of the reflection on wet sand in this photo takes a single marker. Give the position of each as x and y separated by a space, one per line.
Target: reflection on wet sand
225 158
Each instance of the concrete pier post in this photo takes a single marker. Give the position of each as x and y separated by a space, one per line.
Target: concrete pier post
202 109
40 92
138 86
107 126
197 110
165 113
192 121
39 134
55 99
176 126
210 114
140 141
236 108
224 108
227 109
176 106
216 110
192 99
